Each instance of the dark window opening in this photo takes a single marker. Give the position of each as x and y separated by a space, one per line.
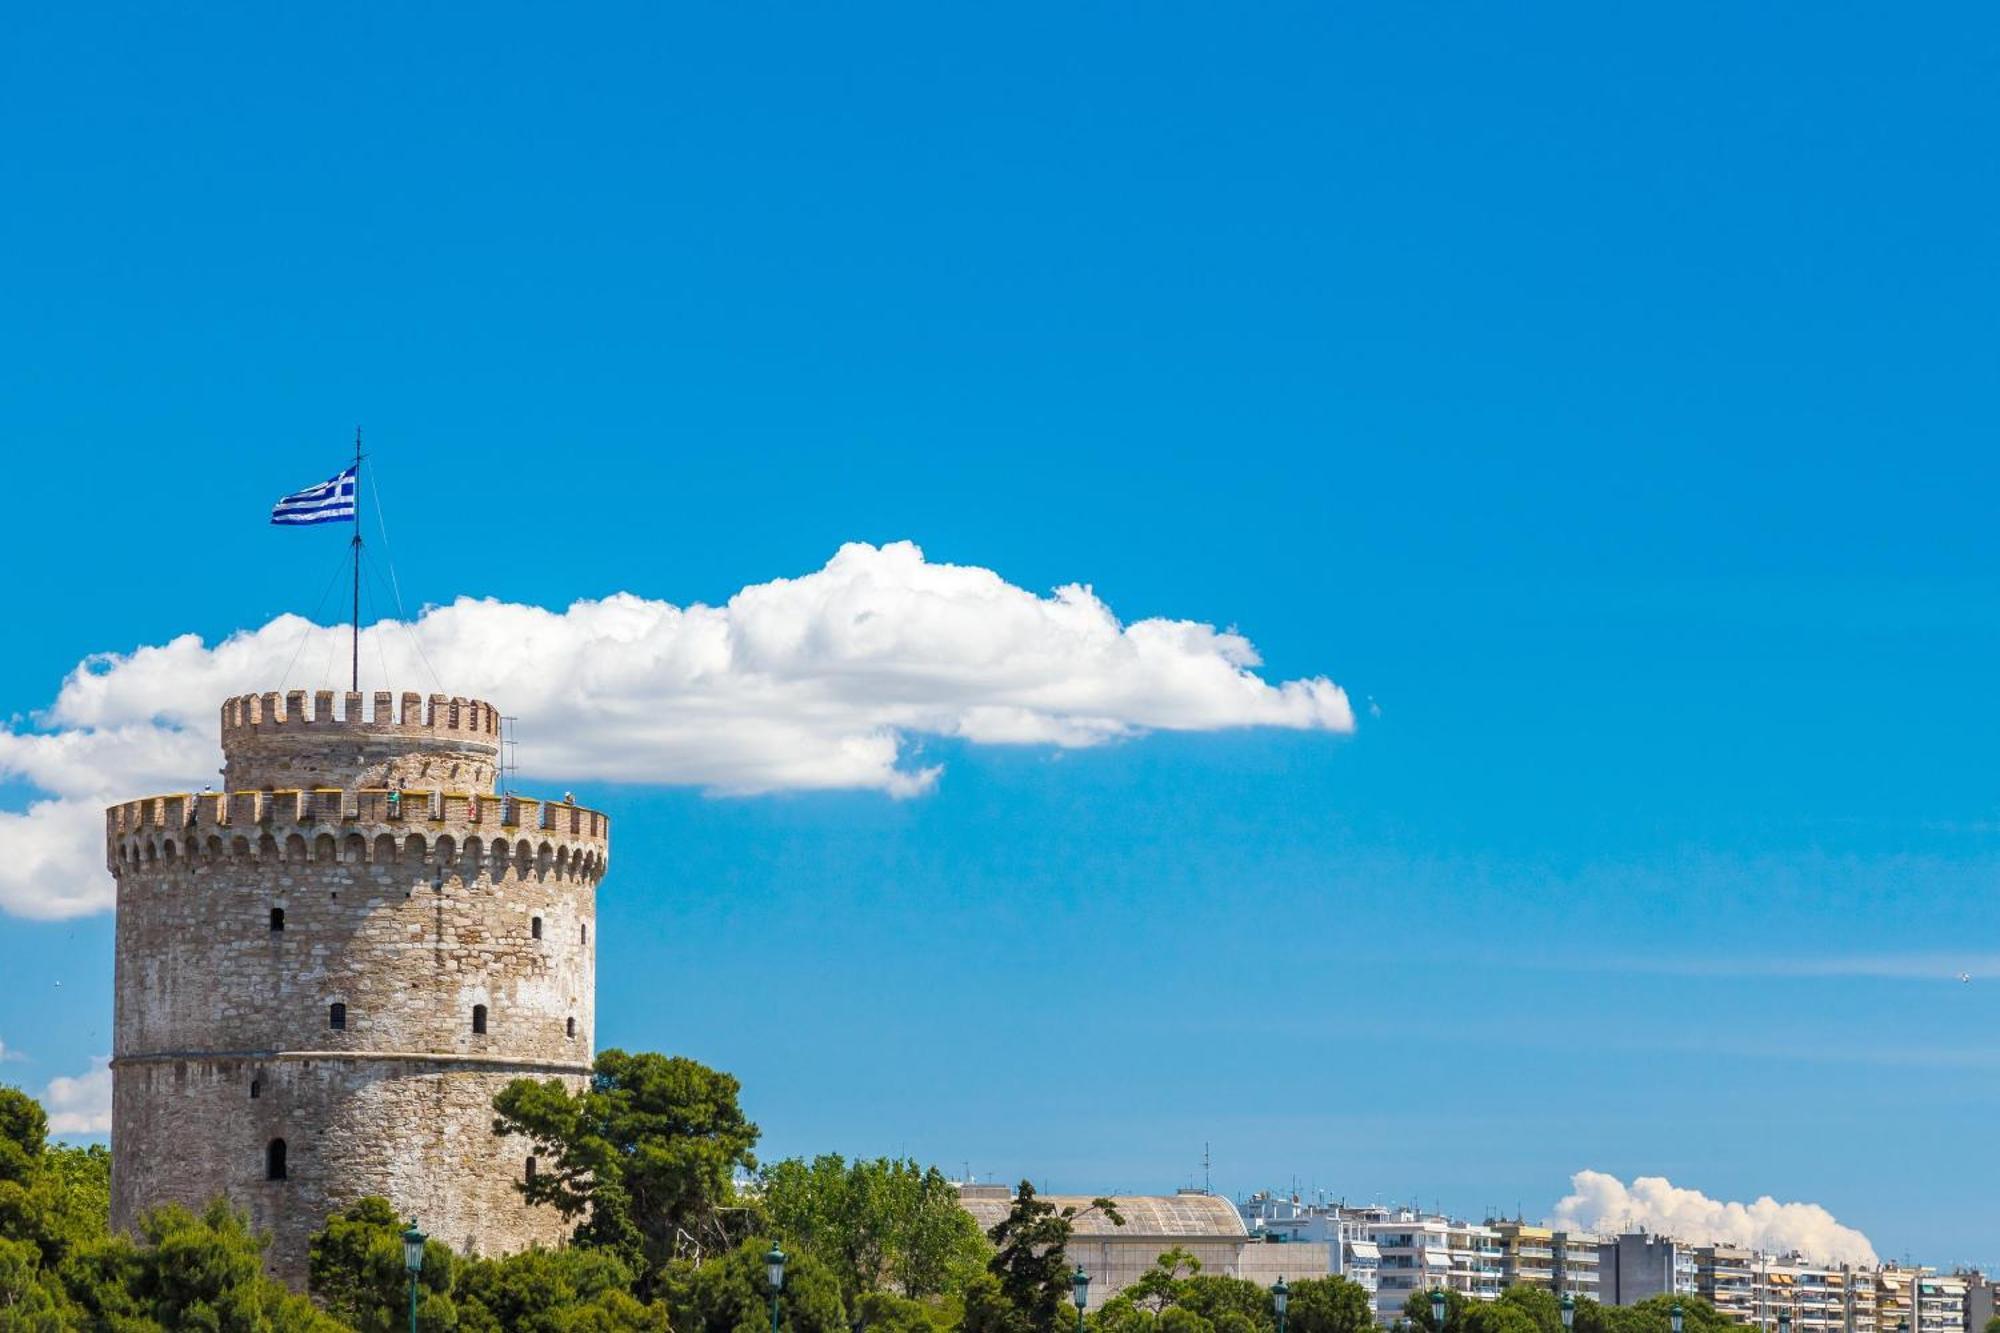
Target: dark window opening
572 1027
336 1017
535 928
531 1170
479 1020
256 1087
274 1160
584 936
277 918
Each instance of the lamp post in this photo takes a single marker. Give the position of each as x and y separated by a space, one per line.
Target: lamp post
774 1273
413 1263
1281 1296
1568 1311
1438 1308
1675 1317
1079 1291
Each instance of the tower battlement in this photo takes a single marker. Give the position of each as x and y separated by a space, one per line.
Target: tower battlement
274 741
258 714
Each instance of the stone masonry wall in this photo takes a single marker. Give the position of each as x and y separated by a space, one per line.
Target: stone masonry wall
412 910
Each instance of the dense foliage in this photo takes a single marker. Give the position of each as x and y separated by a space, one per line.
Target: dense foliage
879 1226
644 1161
642 1157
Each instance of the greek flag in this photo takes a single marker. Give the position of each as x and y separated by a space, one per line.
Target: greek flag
332 501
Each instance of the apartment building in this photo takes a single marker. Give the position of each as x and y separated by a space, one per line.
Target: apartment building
1636 1265
1578 1265
1421 1251
1340 1229
1729 1277
1527 1255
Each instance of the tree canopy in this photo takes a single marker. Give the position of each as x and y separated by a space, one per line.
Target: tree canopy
642 1156
1030 1266
876 1225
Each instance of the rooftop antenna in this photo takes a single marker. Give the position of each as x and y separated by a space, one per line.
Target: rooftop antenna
1204 1167
509 763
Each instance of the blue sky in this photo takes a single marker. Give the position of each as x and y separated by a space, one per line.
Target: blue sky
1607 396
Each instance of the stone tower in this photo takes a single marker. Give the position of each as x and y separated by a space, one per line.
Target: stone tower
327 970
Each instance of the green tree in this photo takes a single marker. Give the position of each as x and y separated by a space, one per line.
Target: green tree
1160 1286
1031 1260
886 1312
1992 1325
207 1272
642 1156
730 1294
1417 1310
1234 1304
355 1271
1328 1305
24 1130
1498 1317
1539 1305
553 1291
876 1224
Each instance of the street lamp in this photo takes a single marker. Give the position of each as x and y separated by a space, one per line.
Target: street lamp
413 1263
1569 1311
1674 1317
774 1273
1438 1308
1079 1291
1281 1296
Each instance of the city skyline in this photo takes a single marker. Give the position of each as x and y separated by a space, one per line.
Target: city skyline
1405 596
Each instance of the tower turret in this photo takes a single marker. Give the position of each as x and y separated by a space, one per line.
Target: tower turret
326 972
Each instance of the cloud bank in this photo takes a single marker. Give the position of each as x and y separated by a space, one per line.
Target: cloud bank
80 1105
819 682
1602 1203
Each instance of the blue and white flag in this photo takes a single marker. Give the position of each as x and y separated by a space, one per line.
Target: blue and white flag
332 501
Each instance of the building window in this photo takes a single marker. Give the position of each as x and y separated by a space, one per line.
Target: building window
572 1027
535 928
583 936
478 1020
336 1016
256 1087
531 1170
274 1160
277 919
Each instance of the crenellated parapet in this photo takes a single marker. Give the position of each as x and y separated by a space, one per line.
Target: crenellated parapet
437 715
279 741
456 831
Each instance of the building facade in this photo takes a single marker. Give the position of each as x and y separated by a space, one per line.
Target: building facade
326 971
1636 1265
1206 1225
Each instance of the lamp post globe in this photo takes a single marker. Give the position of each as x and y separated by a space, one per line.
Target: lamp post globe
1079 1291
1439 1306
1568 1310
413 1264
1674 1317
1281 1296
774 1273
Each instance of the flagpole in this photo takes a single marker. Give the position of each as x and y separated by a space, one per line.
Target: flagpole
355 677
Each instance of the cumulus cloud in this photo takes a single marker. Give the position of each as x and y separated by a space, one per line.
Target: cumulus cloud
1602 1203
80 1105
817 682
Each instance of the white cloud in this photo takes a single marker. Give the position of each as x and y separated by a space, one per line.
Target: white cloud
814 682
80 1105
1602 1203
